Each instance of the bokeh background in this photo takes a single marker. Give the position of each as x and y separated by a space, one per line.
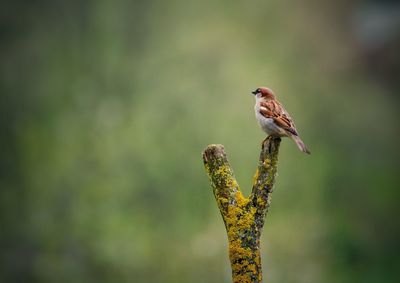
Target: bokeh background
105 109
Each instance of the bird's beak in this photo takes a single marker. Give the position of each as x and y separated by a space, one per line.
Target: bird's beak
254 92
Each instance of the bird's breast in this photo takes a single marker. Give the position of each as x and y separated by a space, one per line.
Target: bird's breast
267 124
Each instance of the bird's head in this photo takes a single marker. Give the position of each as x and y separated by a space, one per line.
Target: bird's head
264 92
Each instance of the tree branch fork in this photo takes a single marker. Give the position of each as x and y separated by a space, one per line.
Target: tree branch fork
243 217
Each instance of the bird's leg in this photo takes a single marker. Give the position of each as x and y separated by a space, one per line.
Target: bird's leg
269 144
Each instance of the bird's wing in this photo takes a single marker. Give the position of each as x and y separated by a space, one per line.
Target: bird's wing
273 109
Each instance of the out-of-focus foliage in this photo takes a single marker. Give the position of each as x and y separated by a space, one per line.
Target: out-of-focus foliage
105 107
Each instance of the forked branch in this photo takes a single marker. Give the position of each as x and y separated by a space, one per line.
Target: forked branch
243 217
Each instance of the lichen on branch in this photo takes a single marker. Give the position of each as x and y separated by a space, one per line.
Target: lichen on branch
243 217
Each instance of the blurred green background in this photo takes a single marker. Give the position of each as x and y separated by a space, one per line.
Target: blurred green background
106 107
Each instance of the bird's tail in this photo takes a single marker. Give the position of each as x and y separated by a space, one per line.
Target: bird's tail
300 144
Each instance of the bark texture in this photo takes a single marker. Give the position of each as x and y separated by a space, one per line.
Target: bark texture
243 217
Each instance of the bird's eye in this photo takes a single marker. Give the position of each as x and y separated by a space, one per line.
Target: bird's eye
258 90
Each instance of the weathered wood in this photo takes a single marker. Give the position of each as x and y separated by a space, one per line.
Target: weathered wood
243 217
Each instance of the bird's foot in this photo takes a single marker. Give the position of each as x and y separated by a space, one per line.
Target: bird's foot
269 144
266 143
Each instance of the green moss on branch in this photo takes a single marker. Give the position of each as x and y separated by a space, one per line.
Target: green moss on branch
243 217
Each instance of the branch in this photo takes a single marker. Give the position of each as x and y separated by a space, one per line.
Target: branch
243 217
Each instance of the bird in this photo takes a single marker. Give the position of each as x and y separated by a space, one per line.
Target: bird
273 119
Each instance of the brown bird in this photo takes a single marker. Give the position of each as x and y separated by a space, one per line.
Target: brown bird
274 119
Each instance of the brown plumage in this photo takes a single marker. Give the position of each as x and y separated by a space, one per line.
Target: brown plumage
273 109
274 119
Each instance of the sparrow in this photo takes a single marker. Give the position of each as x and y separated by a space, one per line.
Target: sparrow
274 119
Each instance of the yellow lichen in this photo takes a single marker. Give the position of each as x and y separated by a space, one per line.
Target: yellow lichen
255 177
224 176
243 216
